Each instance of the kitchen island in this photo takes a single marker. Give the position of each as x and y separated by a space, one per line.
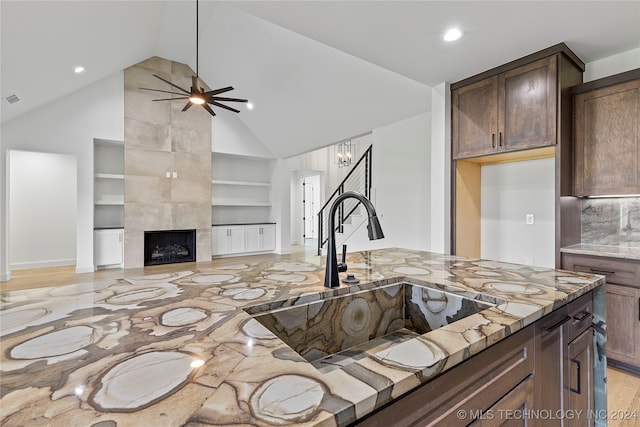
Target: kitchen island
186 348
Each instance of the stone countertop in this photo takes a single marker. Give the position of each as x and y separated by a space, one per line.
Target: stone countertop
179 349
624 252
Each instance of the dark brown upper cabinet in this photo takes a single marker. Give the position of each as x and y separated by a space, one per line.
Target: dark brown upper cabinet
514 110
607 136
518 111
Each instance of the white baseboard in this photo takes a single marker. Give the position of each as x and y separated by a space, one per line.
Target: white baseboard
5 276
85 269
41 264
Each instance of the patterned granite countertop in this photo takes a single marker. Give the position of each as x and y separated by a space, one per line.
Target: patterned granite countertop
180 349
620 251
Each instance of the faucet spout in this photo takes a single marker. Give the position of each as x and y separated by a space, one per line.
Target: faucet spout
374 230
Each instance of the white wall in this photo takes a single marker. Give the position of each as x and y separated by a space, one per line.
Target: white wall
614 64
230 135
509 191
402 183
68 126
318 162
440 173
43 207
281 205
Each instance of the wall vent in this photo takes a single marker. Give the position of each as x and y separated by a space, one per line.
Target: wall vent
12 99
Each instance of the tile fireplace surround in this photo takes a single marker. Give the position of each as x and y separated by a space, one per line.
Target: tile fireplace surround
167 161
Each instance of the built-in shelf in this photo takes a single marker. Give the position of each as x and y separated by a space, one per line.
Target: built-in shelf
109 202
240 188
238 202
109 176
108 183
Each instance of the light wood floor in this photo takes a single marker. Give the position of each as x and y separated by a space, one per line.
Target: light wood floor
55 276
623 388
623 394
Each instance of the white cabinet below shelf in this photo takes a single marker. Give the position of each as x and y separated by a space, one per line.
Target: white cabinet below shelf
227 240
108 248
260 238
240 239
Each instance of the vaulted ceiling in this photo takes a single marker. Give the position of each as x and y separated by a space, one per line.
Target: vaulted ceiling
316 71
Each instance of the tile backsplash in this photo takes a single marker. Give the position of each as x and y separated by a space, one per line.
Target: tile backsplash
614 221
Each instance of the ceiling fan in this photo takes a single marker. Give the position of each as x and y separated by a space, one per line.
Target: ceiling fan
197 95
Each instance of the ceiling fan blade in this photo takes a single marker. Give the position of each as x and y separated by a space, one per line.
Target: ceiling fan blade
163 91
217 91
186 107
206 107
168 82
171 99
221 98
217 104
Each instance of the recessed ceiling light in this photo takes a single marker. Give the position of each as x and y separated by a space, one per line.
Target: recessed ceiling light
250 105
452 34
79 69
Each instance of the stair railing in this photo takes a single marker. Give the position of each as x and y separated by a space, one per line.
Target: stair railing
359 179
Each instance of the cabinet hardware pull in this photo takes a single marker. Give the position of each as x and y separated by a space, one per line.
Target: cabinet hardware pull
576 390
500 138
638 309
583 315
600 271
556 325
493 140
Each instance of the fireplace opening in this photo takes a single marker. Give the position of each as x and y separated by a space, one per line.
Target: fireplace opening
169 246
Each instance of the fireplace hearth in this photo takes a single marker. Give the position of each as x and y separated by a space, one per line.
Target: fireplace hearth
169 246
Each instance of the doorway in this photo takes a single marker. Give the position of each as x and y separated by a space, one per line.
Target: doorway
310 207
42 195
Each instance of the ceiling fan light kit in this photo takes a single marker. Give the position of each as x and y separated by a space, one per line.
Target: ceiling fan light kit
197 95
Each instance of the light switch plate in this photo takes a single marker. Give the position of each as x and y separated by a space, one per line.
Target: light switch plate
530 219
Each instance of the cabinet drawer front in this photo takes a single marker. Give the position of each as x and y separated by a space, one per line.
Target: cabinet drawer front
622 272
581 313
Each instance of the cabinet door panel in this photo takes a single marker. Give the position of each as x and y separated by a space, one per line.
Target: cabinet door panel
236 240
511 409
610 144
254 239
551 353
108 247
219 241
268 237
474 118
580 380
623 324
528 106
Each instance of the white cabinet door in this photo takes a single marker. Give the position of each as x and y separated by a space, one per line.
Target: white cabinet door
254 238
261 237
219 241
236 239
108 247
227 240
268 237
